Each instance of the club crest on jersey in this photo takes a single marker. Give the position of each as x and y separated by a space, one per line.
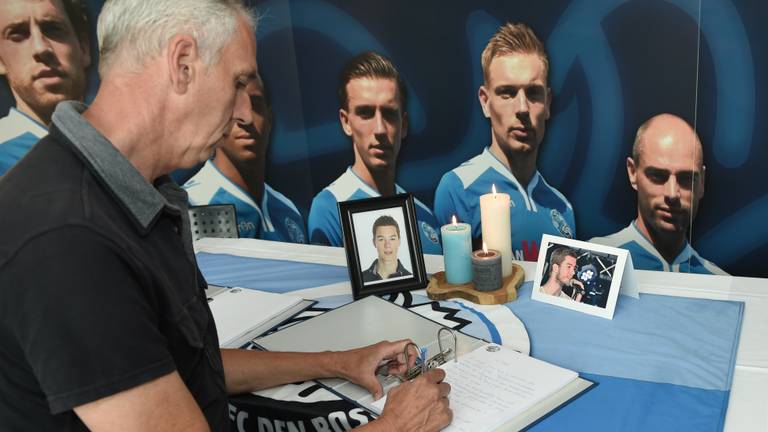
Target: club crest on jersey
295 233
560 224
429 232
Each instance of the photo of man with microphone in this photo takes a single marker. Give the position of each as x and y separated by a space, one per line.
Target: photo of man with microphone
562 269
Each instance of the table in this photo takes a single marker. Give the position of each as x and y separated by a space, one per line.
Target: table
748 402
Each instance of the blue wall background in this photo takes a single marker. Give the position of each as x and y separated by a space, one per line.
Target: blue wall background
614 64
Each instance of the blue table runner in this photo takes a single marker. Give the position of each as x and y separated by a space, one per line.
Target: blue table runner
662 363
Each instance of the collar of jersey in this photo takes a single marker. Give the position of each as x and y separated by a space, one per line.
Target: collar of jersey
684 256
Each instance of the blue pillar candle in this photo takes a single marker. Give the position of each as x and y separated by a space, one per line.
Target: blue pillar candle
457 252
486 268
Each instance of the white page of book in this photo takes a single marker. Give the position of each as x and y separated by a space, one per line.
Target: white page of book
238 310
492 385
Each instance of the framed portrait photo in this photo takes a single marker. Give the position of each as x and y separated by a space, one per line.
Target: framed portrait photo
578 275
382 245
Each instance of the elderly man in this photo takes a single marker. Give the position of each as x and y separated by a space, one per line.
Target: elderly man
373 101
103 320
516 99
667 171
43 56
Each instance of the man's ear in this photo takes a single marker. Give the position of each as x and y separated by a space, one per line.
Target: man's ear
344 120
548 102
632 172
483 97
182 56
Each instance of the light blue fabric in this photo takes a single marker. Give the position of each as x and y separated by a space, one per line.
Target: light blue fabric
619 404
662 364
684 341
267 275
534 210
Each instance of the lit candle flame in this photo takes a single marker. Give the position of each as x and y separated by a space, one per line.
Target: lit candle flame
493 189
485 249
454 220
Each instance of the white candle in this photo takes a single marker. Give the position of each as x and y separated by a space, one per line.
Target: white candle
494 220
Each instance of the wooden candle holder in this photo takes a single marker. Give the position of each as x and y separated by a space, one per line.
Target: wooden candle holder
439 289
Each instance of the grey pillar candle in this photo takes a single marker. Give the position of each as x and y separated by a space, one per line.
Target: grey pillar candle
486 270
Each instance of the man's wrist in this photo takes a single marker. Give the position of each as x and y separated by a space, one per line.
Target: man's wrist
333 365
383 423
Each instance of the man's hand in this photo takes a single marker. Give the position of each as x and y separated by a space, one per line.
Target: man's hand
578 290
576 284
419 405
359 365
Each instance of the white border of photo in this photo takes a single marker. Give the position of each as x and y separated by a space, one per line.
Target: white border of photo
622 280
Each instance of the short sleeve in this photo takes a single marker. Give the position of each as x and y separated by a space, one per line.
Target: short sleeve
74 302
324 224
445 197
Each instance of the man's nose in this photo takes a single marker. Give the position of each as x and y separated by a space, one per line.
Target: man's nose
672 188
242 112
379 126
40 43
521 102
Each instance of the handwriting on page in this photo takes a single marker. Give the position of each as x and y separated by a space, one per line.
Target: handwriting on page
490 387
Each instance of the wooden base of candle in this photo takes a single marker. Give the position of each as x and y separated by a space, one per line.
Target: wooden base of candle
439 289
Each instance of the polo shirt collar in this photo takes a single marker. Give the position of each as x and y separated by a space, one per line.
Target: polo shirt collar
142 200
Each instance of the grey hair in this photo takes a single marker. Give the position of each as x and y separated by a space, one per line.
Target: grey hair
139 29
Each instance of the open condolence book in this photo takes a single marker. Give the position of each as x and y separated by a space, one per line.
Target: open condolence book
492 387
242 314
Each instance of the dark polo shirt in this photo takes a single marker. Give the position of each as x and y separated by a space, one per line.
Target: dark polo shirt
99 288
372 274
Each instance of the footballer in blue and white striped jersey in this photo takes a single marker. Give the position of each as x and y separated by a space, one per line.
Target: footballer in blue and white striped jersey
534 210
372 98
516 99
667 171
44 51
236 176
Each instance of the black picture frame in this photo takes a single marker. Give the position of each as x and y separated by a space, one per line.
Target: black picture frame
360 235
